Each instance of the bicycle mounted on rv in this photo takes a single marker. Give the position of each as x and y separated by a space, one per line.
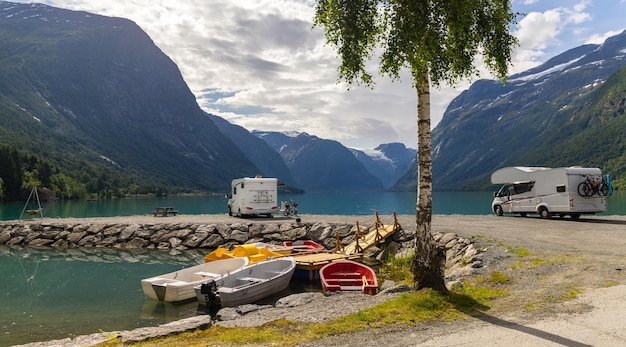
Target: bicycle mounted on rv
568 191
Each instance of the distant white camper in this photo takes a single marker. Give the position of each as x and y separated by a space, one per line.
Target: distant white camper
566 191
253 196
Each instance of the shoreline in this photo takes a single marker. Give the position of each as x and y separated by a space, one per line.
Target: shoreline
601 238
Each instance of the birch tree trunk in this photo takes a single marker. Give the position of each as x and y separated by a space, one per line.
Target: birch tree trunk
428 264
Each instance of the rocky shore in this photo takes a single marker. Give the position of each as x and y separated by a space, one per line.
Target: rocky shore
207 232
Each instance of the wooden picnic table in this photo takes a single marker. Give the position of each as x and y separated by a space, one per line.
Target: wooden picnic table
164 211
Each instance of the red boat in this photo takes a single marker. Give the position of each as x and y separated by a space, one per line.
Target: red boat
303 246
348 276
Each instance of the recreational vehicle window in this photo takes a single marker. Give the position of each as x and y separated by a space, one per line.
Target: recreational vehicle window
560 188
515 188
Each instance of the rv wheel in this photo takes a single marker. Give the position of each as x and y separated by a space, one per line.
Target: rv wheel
544 213
498 210
574 216
230 211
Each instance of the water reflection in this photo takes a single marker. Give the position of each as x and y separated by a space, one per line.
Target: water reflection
105 255
51 294
57 293
173 311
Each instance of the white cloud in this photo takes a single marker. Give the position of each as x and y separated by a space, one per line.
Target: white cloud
538 31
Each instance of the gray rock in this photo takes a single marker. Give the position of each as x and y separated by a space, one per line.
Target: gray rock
397 289
212 241
127 232
238 236
454 285
195 239
294 300
6 235
447 238
227 313
95 228
247 308
40 242
188 324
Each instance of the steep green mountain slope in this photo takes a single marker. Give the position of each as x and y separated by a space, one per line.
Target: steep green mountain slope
541 117
95 96
595 134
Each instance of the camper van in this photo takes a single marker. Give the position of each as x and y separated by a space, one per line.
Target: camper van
566 191
253 196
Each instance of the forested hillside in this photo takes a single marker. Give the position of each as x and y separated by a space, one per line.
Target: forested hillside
94 97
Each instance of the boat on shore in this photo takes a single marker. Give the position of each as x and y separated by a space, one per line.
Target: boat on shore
348 276
254 252
179 285
249 284
303 246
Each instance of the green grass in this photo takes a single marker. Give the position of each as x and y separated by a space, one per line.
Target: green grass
396 269
520 252
407 309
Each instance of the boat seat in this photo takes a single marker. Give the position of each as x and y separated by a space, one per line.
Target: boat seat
206 274
244 282
251 279
346 274
351 288
349 280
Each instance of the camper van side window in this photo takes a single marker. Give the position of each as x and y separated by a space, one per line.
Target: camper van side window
234 190
519 188
560 188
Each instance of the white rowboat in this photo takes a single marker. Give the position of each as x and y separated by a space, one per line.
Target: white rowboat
179 285
252 283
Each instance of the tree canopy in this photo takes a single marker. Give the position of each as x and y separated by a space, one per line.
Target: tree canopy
439 37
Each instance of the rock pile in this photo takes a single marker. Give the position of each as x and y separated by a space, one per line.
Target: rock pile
461 255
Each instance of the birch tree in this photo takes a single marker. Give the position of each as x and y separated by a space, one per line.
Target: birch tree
436 41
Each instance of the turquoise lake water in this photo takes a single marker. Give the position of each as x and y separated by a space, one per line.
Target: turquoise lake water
327 203
53 294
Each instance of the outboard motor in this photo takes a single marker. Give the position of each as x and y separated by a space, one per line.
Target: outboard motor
209 290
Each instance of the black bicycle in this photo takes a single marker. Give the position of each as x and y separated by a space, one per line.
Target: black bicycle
593 186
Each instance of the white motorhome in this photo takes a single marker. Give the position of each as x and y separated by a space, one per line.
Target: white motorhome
253 196
566 191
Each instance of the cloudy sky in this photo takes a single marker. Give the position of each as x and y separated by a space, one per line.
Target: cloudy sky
261 65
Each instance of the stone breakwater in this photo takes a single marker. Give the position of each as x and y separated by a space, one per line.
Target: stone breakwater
461 254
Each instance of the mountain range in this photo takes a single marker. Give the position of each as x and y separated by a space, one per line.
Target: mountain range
95 97
84 90
568 111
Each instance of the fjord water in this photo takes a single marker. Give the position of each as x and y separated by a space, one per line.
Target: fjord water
53 294
364 203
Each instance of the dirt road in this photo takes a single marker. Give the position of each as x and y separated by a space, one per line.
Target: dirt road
568 286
